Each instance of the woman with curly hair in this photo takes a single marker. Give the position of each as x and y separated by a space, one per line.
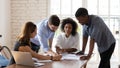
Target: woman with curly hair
68 41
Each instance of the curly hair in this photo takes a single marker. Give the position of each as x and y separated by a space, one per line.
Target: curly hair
72 22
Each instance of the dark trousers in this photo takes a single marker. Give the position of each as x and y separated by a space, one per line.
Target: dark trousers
105 57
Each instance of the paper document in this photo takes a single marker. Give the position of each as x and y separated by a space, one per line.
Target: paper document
44 61
38 64
70 57
40 61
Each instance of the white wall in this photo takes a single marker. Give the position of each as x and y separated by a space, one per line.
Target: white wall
23 11
5 29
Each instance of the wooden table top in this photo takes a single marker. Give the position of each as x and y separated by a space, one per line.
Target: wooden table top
56 64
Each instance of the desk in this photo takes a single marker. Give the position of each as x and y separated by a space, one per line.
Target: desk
57 64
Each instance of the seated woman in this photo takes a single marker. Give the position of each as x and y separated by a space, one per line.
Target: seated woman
68 41
23 43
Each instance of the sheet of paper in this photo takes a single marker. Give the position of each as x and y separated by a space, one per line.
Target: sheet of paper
38 64
40 61
70 57
44 61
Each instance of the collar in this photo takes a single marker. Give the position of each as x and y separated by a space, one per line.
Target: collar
89 22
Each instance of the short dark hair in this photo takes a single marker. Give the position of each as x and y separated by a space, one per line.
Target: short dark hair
72 22
81 12
54 20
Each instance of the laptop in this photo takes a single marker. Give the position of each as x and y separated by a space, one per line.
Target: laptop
24 58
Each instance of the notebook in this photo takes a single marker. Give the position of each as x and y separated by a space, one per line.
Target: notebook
24 58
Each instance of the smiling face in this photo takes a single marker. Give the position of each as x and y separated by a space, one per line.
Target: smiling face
68 29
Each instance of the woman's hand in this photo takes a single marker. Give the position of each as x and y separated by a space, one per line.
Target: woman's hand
69 50
59 50
57 57
84 57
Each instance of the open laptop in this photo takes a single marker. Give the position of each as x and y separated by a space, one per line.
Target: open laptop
24 58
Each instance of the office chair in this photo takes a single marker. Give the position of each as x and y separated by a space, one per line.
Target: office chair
6 54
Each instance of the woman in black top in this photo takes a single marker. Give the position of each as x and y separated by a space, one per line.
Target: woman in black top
23 44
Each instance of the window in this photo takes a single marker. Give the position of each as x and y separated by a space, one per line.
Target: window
109 10
64 8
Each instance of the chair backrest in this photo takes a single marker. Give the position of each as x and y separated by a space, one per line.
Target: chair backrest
5 56
5 51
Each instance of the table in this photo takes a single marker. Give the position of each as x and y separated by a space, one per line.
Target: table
57 64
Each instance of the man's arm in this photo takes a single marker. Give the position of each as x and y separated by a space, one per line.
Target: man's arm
46 47
50 52
91 47
92 41
50 43
85 39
